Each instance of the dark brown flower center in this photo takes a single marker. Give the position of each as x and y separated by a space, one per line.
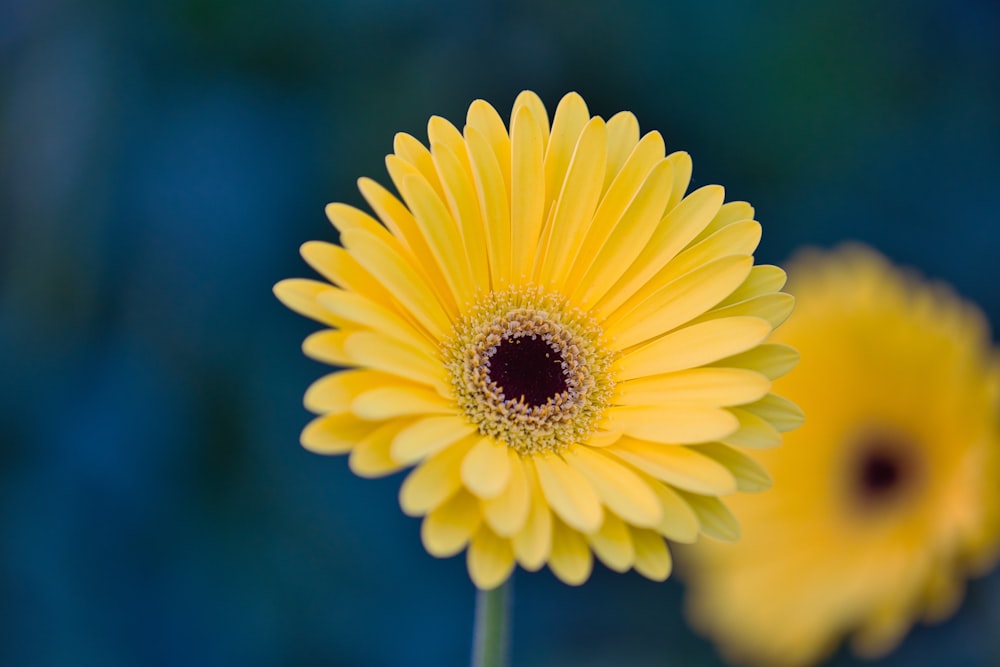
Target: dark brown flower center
527 368
885 468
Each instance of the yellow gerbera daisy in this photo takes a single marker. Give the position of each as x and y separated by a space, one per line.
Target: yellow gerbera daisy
887 498
566 347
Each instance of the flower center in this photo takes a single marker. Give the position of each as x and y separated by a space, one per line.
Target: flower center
529 370
884 468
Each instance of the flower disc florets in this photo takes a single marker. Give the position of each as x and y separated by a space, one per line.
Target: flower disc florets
529 370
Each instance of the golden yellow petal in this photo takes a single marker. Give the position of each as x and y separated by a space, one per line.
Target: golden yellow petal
410 243
570 560
364 313
621 490
527 195
625 221
338 266
345 217
682 178
399 400
678 302
652 559
486 468
487 122
328 346
399 277
429 436
533 543
751 477
508 512
623 135
529 100
301 294
774 307
754 432
370 457
772 360
335 434
409 149
777 411
692 346
739 238
490 559
461 196
600 438
441 232
680 467
334 392
715 518
382 353
671 425
575 203
568 493
674 232
441 131
567 123
494 205
448 528
612 544
734 211
435 480
694 386
763 279
679 522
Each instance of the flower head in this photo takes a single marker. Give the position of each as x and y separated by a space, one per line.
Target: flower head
568 349
886 500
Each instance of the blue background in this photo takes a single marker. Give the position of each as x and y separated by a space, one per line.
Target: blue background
161 162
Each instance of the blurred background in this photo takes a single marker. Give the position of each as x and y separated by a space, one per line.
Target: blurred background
160 164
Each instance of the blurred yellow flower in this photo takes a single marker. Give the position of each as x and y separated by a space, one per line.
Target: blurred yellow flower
886 500
567 348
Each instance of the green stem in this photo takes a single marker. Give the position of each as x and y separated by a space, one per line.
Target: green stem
489 643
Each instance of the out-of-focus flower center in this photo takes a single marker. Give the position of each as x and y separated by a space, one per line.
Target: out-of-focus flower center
886 468
529 370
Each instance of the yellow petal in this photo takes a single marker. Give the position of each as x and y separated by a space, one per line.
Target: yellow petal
429 436
774 307
364 313
679 522
494 205
335 434
527 196
328 346
680 467
753 432
486 468
567 123
529 100
576 202
507 513
448 528
533 543
715 518
490 559
408 242
300 295
334 392
570 560
750 476
778 411
673 425
740 238
434 481
399 401
652 559
568 493
400 278
682 178
345 217
772 360
440 231
487 122
678 302
613 544
621 490
409 149
763 279
623 135
622 228
734 211
601 438
382 353
673 233
370 457
695 386
463 202
338 266
692 346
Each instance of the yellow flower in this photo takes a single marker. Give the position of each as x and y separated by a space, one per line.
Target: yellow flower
566 347
886 500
